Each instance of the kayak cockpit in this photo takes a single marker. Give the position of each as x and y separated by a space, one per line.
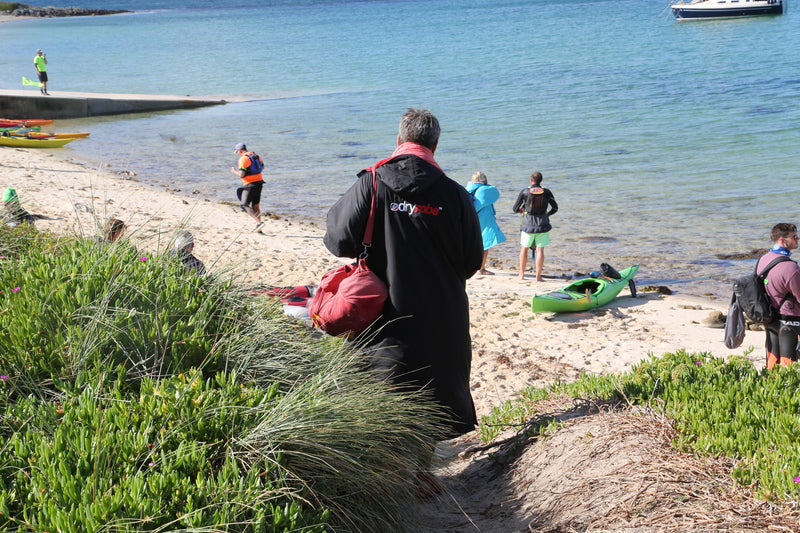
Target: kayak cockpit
589 285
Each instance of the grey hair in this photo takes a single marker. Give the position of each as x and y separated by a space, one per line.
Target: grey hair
419 126
480 177
184 240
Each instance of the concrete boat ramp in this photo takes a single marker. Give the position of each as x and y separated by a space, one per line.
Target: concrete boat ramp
63 105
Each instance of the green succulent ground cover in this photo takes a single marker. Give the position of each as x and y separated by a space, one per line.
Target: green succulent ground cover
720 407
138 397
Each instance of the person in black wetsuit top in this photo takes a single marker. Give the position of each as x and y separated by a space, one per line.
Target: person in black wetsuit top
535 228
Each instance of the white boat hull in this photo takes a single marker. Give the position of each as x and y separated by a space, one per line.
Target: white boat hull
727 8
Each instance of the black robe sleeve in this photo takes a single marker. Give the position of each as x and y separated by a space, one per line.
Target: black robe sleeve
347 219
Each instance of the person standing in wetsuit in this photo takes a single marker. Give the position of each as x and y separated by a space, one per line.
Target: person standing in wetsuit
783 289
535 229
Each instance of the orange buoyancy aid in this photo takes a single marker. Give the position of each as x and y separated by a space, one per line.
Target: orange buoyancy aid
245 162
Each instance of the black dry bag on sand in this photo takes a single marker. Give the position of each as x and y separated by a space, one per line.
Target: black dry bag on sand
611 272
735 326
751 293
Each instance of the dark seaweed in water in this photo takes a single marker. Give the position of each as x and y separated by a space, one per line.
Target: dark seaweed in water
738 256
597 238
660 289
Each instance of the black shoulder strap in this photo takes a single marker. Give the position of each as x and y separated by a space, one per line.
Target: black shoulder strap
771 264
763 274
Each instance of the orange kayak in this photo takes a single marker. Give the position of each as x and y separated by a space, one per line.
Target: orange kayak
59 135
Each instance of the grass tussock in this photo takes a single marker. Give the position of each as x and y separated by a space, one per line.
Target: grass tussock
138 397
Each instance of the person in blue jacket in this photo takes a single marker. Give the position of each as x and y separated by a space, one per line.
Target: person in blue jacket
484 196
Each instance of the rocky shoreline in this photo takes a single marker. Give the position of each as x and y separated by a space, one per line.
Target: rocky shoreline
50 11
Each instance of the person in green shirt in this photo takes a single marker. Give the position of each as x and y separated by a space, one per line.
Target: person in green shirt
40 61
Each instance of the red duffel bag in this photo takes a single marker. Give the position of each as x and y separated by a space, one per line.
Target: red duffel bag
351 297
348 300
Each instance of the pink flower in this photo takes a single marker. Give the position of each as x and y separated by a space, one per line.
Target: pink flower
698 362
143 258
15 289
4 378
796 479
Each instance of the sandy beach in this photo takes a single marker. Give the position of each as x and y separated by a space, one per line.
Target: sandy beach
512 349
5 17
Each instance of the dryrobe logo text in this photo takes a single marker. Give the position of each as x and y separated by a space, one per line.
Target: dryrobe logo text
411 209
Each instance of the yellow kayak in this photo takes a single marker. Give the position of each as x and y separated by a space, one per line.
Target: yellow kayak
24 142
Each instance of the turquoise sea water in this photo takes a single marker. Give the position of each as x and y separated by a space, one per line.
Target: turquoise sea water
665 143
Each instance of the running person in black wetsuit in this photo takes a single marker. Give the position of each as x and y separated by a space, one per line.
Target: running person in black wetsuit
252 181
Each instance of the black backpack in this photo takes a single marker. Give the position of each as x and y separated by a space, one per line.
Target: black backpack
537 201
751 293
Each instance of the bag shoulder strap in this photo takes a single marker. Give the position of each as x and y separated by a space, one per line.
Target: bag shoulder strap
763 274
771 264
367 242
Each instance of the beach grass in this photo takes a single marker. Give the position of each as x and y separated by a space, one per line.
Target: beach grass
719 408
136 396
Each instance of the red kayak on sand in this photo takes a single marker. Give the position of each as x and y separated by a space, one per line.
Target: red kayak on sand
298 291
295 299
24 123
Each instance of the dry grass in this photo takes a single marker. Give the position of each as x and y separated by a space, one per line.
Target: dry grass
607 469
629 476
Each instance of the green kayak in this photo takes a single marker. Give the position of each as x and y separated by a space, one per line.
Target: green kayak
586 293
20 128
